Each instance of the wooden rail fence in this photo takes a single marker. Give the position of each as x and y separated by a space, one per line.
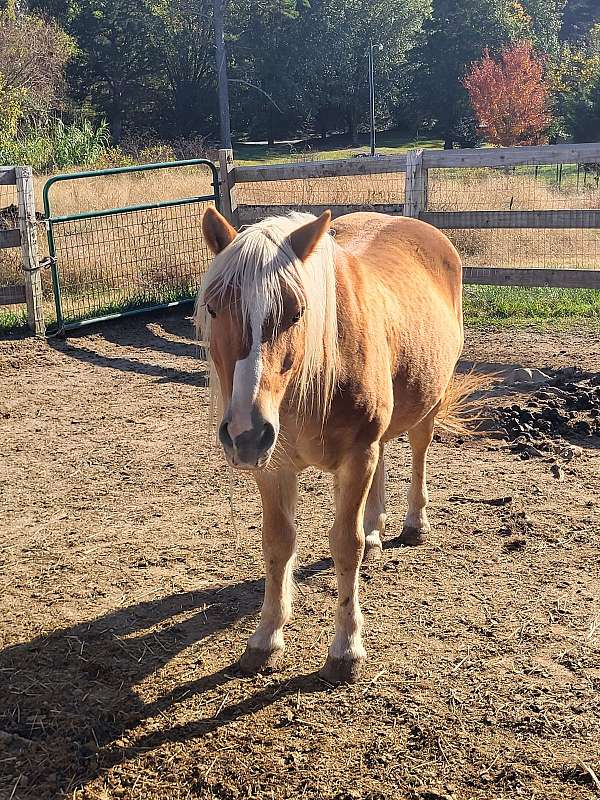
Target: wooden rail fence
24 236
416 164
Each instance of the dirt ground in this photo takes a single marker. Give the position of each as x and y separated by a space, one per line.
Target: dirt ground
125 600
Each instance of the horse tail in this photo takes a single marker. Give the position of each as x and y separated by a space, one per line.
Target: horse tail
459 412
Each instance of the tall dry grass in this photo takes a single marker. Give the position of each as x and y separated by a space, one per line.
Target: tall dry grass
113 191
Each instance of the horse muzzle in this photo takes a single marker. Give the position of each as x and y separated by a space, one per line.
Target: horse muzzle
252 448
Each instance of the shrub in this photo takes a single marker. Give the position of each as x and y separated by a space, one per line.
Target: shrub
54 145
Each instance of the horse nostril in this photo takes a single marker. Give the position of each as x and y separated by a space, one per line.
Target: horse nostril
224 436
267 437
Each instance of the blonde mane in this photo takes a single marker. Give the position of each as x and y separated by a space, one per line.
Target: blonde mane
257 265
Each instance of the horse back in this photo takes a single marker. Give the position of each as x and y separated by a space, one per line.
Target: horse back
404 254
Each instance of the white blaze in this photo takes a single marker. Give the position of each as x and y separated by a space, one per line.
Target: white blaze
246 381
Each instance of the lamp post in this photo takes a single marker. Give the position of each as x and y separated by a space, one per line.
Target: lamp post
372 93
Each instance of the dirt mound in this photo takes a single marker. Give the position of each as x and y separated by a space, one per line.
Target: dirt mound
555 417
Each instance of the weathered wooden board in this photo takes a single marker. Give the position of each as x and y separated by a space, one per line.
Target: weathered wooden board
513 156
512 219
227 186
558 278
12 295
416 186
7 176
247 215
29 250
446 220
10 238
473 158
320 169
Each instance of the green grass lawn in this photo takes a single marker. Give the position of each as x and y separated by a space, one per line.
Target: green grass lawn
12 318
518 306
337 146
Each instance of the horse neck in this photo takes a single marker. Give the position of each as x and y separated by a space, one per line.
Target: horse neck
352 289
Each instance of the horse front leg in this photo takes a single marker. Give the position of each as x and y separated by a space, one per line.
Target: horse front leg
347 544
278 492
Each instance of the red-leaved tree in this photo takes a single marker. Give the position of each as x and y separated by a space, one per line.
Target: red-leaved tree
510 96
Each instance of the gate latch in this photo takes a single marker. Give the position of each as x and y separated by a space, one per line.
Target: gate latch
44 263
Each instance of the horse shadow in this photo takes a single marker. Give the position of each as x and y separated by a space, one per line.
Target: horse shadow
139 333
69 699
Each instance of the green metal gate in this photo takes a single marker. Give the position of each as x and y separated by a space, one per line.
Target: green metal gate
124 260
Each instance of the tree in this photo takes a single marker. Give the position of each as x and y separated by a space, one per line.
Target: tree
510 96
455 36
575 82
586 122
294 65
572 78
264 73
332 41
579 18
545 23
188 100
33 54
118 65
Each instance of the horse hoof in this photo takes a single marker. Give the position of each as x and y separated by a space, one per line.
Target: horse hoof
413 536
372 553
254 660
341 670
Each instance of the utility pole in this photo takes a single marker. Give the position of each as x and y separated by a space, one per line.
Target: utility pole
372 96
222 86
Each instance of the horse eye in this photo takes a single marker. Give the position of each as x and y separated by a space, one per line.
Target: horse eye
297 317
211 312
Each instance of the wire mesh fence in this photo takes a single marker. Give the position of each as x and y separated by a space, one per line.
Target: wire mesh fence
523 188
11 273
358 189
558 188
126 189
134 259
340 190
529 187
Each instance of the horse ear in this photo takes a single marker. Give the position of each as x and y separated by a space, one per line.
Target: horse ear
306 238
217 231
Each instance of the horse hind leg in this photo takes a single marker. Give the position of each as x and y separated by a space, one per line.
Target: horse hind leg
375 516
416 524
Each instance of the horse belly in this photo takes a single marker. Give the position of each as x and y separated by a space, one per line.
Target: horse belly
425 370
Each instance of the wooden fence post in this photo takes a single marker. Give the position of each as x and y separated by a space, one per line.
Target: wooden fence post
227 186
416 184
29 251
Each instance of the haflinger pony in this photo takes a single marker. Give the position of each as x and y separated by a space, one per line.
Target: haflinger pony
326 345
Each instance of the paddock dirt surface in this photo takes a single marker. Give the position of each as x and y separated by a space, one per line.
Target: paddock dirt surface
124 600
